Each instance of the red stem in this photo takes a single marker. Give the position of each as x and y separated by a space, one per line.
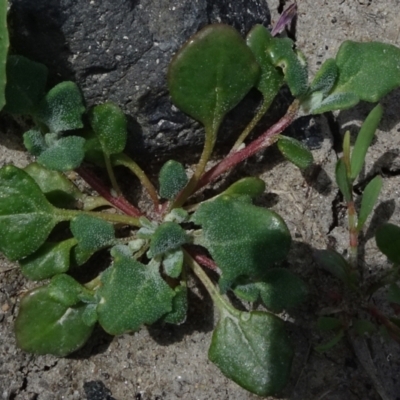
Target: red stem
201 258
261 143
118 202
393 329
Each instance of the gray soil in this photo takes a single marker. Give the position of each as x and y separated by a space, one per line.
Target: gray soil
170 362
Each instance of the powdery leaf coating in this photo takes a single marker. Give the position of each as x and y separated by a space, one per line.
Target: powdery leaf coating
65 154
62 108
168 236
370 70
326 77
132 294
49 260
172 179
259 39
110 125
243 239
295 151
65 290
26 83
211 73
179 307
336 101
34 142
45 326
26 217
253 350
173 263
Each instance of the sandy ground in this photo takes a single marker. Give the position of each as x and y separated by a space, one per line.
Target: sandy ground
171 362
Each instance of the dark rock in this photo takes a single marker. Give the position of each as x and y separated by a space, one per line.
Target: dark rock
96 390
119 50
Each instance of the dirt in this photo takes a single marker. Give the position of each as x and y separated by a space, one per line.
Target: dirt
170 362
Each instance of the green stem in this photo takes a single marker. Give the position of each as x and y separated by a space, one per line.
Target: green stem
111 175
126 161
260 113
210 137
353 234
217 298
67 215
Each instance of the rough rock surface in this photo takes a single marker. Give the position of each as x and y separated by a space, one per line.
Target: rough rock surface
119 50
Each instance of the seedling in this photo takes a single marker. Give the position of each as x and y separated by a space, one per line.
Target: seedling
146 280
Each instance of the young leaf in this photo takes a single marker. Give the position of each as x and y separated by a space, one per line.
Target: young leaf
173 263
369 198
168 236
394 294
369 70
67 291
243 239
333 262
92 234
211 73
388 240
26 217
364 140
271 79
335 101
252 349
246 290
65 154
333 342
45 326
179 307
110 125
292 63
62 108
325 78
34 142
329 323
58 189
49 260
26 82
4 43
342 180
250 186
132 294
281 290
295 151
172 179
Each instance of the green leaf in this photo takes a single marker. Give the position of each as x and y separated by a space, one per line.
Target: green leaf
250 186
132 294
173 263
333 342
243 239
335 101
342 180
388 240
363 326
49 260
110 125
253 350
4 43
168 236
45 326
325 78
364 140
93 150
334 263
369 198
58 189
211 73
34 142
179 307
295 151
259 39
370 70
26 217
394 293
292 63
281 290
246 290
172 179
92 234
65 154
62 108
26 83
329 323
